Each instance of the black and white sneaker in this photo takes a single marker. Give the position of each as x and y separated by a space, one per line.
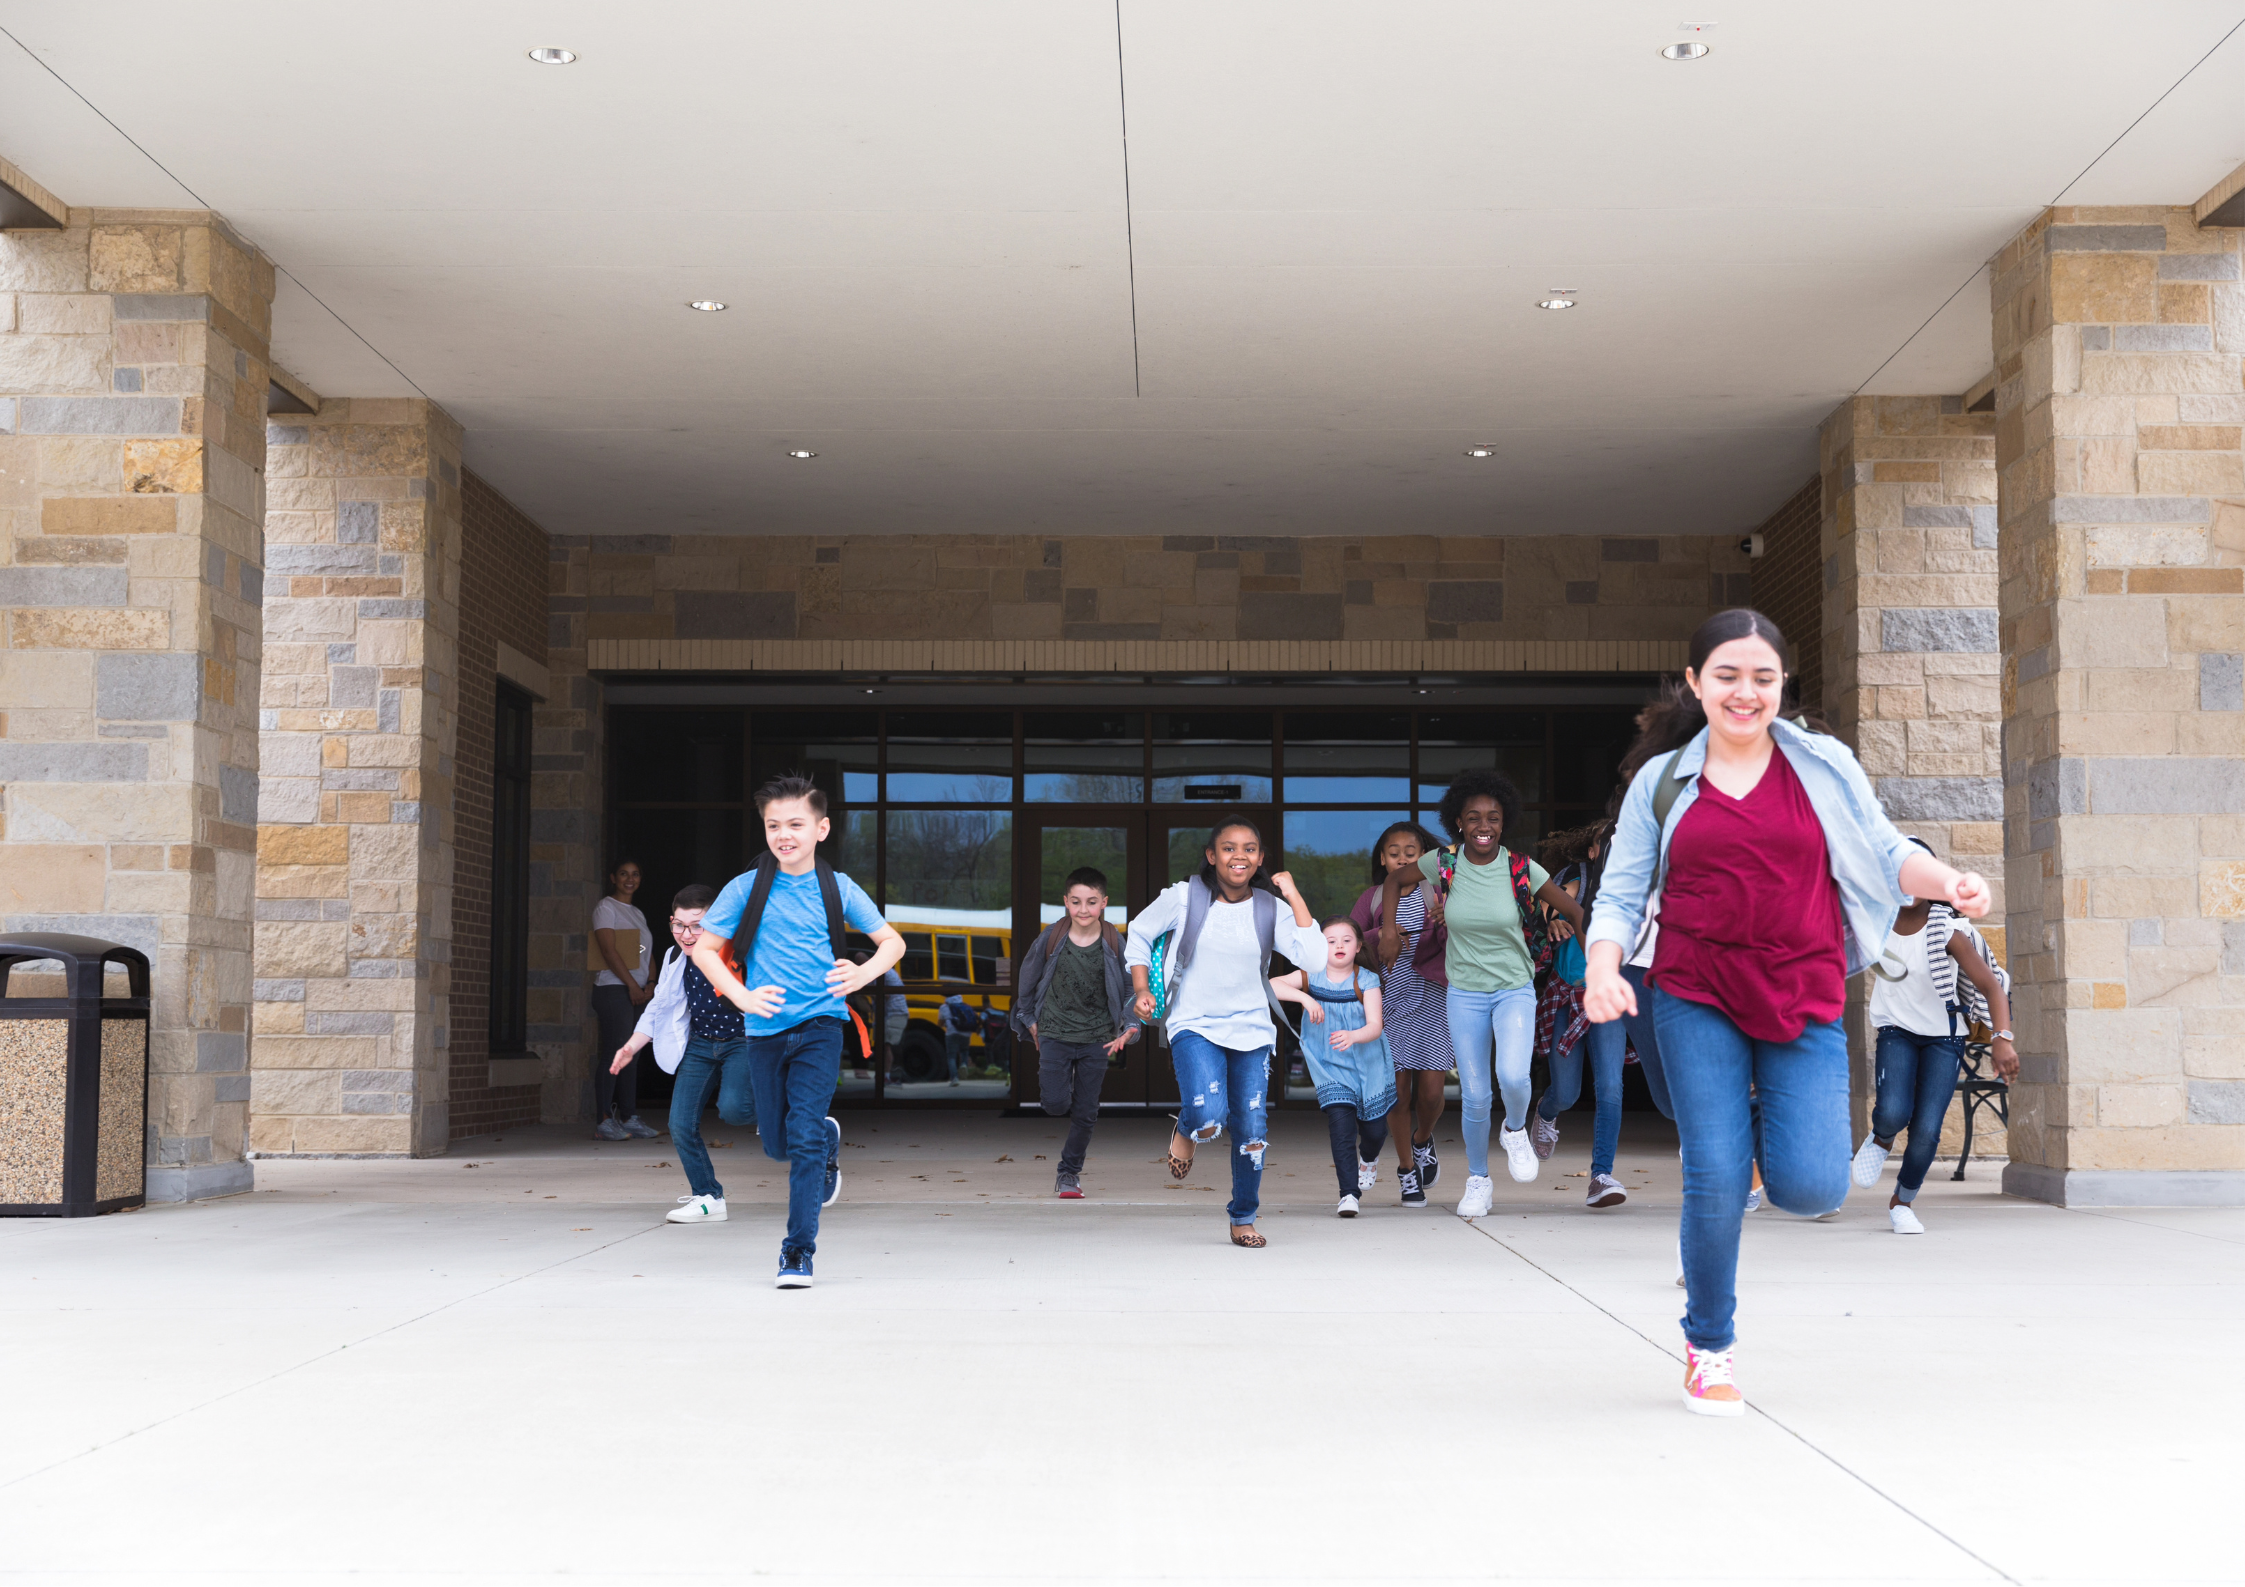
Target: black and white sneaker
1428 1165
833 1161
1408 1183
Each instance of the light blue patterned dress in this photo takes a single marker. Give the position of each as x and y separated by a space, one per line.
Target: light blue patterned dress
1360 1076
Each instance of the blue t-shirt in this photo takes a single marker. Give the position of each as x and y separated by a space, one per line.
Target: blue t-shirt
708 1016
792 950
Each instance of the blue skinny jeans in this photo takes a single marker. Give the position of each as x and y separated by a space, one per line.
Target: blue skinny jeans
1917 1075
1491 1031
708 1066
1798 1134
1220 1088
1602 1046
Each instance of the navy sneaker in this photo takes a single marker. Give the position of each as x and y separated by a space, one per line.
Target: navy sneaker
833 1161
795 1268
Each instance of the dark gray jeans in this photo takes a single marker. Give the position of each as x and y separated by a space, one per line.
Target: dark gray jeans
1069 1075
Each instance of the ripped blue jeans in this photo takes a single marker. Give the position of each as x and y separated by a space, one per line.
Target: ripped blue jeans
1219 1087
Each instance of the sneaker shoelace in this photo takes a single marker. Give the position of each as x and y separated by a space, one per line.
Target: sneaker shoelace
1712 1369
1422 1155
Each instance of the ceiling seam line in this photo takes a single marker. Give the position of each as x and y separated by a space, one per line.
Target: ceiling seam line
174 178
2062 192
1130 240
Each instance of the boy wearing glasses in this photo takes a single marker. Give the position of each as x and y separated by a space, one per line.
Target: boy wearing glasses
698 1037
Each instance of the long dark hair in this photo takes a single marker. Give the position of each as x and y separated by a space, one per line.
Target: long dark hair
1675 716
1427 845
1262 876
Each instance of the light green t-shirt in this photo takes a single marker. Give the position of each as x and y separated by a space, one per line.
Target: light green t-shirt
1487 952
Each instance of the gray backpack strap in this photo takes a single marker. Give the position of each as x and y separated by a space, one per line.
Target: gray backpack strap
1197 900
1266 939
1667 790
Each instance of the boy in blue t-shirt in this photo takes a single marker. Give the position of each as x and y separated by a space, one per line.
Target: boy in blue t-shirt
791 989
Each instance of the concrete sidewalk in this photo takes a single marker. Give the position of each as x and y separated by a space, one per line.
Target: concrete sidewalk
414 1371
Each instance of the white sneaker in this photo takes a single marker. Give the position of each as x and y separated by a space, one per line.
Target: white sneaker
1347 1208
1480 1190
1519 1154
697 1209
1870 1157
609 1130
1367 1175
1904 1220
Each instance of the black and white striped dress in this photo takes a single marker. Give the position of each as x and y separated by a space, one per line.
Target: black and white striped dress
1414 1012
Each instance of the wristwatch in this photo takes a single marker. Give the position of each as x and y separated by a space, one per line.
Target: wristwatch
1999 1035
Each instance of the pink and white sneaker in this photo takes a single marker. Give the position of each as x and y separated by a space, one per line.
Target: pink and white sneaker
1709 1388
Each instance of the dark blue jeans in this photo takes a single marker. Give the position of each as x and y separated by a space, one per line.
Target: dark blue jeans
708 1066
795 1073
1602 1046
1798 1134
1917 1076
1216 1087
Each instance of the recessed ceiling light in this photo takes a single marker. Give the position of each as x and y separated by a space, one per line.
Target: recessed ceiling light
1556 303
1481 451
1689 50
550 56
707 305
800 452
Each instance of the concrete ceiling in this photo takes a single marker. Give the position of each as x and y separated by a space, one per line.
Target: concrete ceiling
1319 293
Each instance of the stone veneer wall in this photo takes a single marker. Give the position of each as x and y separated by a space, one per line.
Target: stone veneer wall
1910 663
1788 586
502 600
1176 587
133 374
2120 408
568 795
354 854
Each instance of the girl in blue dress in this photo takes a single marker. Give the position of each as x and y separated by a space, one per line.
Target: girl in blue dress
1348 1057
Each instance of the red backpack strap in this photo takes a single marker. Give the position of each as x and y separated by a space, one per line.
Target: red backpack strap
1532 929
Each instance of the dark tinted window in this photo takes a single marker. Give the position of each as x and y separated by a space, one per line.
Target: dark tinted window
676 757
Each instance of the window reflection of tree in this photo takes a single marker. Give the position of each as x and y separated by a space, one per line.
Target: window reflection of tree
951 859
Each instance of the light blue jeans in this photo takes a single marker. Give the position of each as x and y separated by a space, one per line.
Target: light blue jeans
1491 1030
1219 1087
1798 1133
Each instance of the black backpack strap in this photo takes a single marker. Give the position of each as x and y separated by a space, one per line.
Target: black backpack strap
759 893
837 929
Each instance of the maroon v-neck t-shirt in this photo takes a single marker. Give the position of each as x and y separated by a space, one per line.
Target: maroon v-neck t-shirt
1750 914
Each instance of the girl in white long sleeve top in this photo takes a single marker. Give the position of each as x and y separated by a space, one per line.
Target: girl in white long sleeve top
1219 1016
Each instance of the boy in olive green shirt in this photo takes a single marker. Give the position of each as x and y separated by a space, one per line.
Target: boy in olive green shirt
1072 1000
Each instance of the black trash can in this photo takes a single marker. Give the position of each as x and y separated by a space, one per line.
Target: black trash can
73 1082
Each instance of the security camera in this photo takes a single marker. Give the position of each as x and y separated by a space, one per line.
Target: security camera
1751 545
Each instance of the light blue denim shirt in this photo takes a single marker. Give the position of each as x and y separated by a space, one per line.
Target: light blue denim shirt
1866 852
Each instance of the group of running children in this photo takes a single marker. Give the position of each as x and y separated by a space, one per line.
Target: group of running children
1708 924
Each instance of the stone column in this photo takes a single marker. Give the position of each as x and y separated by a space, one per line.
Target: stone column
568 840
1910 663
132 449
354 853
2119 408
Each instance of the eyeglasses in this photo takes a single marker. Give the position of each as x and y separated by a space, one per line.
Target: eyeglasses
679 925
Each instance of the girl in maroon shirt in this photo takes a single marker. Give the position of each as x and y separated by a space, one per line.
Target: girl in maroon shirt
1753 882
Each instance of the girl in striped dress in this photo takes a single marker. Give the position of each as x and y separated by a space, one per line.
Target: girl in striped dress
1413 989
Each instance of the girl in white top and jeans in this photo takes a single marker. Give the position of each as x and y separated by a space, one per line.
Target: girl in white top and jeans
620 936
1219 1016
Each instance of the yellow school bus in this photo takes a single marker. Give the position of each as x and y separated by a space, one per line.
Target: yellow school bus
963 952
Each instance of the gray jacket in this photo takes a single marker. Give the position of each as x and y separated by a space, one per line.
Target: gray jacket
1034 974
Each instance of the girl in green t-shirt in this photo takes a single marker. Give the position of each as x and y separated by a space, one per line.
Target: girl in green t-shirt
1492 996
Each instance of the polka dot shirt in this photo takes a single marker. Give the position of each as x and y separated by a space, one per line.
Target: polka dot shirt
708 1016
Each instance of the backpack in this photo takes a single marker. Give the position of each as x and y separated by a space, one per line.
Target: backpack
837 930
1533 932
1966 1003
1172 953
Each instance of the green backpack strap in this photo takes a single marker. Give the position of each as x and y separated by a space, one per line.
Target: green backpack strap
1667 791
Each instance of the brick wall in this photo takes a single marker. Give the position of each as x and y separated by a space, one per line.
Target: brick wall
1788 586
567 794
502 599
1174 587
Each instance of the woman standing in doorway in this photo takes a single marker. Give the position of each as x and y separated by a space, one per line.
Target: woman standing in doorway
1207 942
1488 897
622 942
1774 875
1412 990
